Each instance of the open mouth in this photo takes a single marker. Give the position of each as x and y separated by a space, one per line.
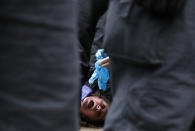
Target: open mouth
103 106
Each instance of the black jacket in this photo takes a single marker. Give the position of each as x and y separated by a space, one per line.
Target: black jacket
153 60
89 13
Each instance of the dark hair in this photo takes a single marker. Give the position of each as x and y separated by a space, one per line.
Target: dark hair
163 7
89 123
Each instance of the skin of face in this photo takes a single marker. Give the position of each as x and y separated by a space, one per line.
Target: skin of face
94 108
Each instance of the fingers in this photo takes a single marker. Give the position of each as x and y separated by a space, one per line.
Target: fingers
104 61
106 65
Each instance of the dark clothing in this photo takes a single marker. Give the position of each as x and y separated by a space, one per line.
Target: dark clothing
102 94
98 39
169 8
89 13
39 66
98 44
152 65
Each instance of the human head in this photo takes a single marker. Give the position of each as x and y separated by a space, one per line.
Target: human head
94 108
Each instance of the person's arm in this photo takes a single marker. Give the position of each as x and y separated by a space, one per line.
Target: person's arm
163 7
89 13
98 39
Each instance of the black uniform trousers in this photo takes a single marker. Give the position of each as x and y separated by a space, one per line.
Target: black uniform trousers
39 66
152 65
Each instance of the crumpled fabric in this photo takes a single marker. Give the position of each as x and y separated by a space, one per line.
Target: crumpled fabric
85 92
100 73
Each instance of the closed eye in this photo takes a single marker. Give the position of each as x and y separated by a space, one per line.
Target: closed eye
90 105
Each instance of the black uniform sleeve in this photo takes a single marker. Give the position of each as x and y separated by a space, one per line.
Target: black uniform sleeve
89 13
98 39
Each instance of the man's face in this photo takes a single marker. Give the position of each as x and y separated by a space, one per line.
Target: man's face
94 108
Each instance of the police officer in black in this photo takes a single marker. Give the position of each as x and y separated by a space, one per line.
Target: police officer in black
151 45
39 66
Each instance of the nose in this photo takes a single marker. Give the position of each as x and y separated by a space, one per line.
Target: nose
98 108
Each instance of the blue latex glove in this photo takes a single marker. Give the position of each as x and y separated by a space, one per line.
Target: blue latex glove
100 54
100 73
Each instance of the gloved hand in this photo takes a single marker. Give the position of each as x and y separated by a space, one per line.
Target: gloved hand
100 73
